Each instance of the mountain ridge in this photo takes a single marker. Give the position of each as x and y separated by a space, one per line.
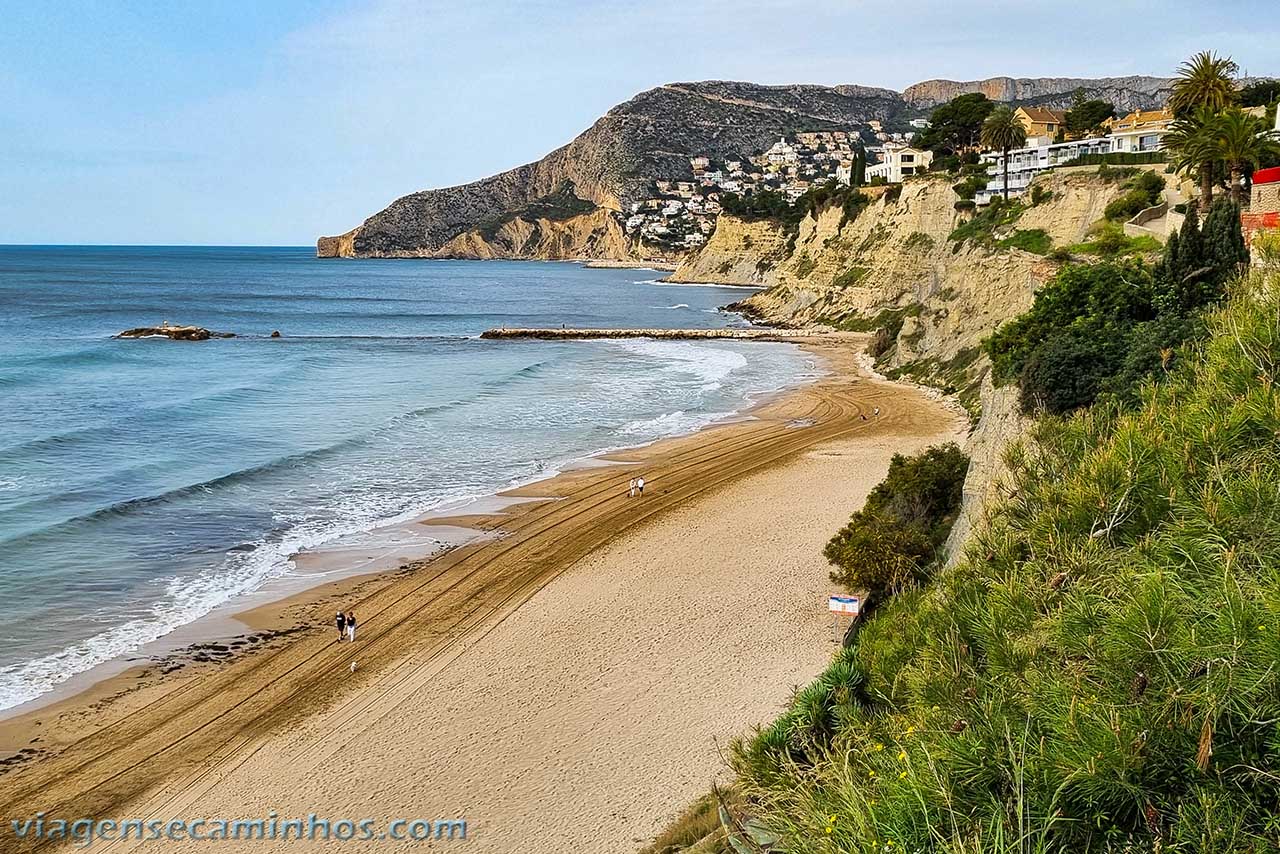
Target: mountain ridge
651 137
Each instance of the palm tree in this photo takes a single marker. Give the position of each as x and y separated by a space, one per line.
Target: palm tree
1002 131
1204 85
1240 140
1204 80
1192 143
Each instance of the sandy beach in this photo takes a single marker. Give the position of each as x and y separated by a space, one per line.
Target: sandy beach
563 685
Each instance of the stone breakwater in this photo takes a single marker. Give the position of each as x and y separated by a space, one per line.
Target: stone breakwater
564 334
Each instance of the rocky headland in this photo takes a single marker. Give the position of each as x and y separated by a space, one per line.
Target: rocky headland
569 204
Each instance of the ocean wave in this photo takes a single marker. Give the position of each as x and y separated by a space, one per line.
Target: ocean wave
707 363
671 424
187 598
679 305
298 459
52 441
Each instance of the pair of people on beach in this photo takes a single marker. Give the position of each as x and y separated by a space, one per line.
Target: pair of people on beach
346 624
636 487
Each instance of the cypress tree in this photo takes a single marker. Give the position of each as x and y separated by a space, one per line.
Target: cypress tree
1190 246
1223 241
1167 275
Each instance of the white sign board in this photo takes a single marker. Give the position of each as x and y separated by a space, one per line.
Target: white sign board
847 605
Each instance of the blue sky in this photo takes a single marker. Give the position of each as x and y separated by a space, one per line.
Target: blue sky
272 122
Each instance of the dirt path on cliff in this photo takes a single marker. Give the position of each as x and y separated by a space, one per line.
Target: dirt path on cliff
563 686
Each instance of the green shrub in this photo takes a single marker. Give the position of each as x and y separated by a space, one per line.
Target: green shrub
969 187
1039 195
891 540
1108 240
1067 370
965 205
889 318
850 277
982 229
1101 670
1127 206
1060 253
1088 297
1144 192
1035 240
877 554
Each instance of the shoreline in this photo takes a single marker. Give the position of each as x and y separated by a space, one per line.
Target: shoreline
235 627
430 611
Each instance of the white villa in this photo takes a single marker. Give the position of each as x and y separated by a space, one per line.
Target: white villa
899 160
1141 130
1138 132
782 153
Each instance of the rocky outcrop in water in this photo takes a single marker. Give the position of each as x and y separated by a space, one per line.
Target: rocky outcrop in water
174 333
569 203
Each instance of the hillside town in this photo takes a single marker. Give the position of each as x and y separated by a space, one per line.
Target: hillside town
680 215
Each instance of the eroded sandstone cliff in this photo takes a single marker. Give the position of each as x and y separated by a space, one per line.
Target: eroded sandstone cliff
894 268
895 265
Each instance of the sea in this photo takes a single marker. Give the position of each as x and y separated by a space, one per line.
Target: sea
145 484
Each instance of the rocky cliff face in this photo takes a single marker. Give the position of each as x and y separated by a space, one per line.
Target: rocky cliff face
894 264
895 268
596 235
649 138
1127 93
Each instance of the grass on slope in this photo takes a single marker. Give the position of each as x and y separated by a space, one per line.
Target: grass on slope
1101 672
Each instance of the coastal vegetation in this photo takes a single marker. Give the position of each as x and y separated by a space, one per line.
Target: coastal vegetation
1104 328
956 126
1098 672
894 540
983 227
1212 137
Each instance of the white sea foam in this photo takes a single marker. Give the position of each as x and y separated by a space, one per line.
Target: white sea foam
710 364
671 424
187 598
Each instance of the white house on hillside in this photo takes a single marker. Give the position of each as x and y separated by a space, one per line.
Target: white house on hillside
898 161
1041 154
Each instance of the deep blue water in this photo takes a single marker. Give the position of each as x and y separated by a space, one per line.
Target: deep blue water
144 483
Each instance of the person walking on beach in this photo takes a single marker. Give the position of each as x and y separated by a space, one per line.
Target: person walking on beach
640 486
877 412
631 488
351 626
342 625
